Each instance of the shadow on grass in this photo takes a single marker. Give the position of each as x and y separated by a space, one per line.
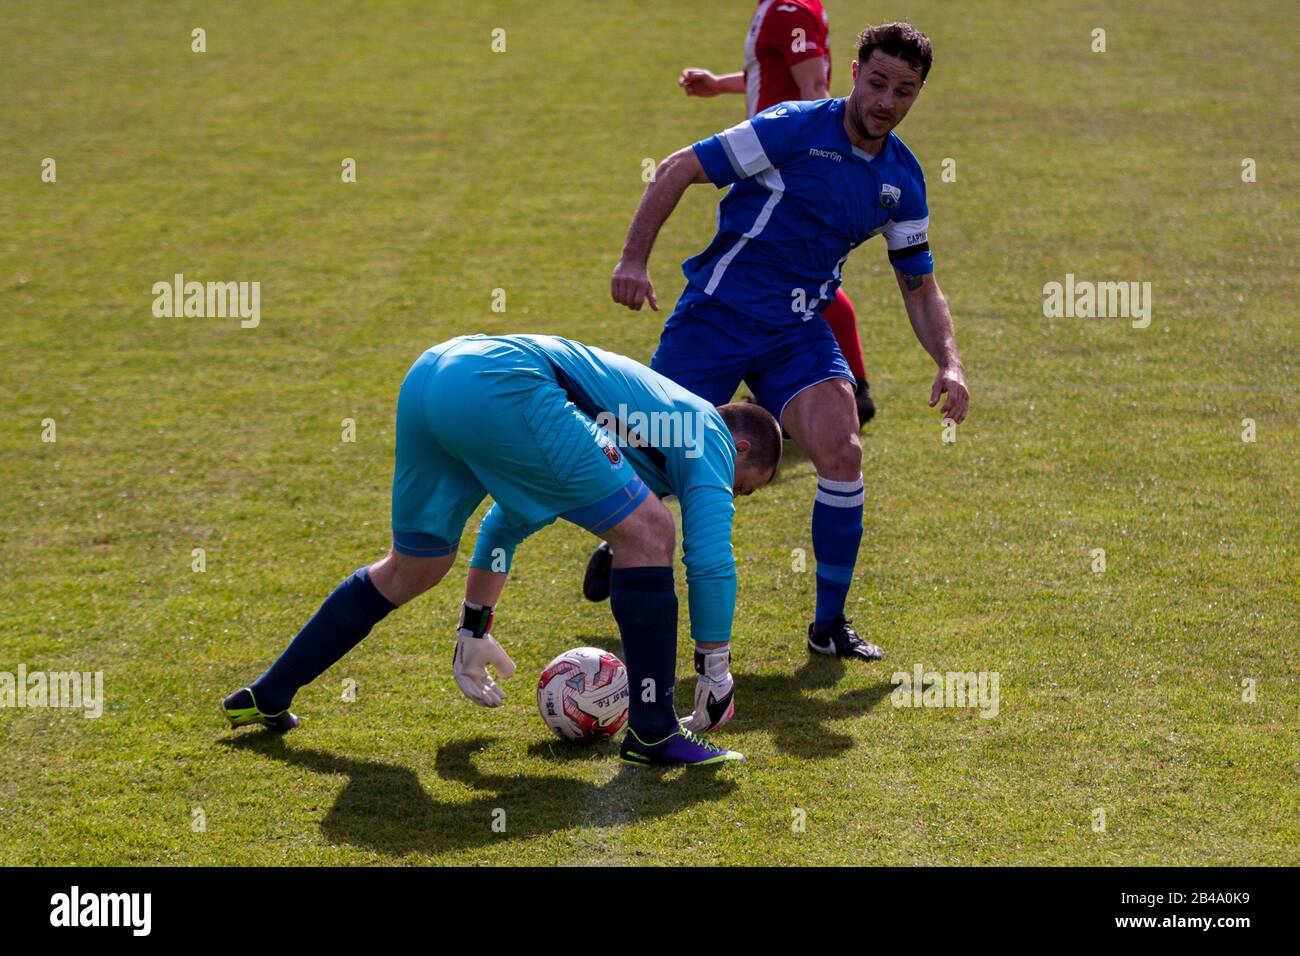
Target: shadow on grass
779 704
384 808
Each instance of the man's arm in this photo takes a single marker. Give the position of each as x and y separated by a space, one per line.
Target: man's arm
927 309
745 150
810 76
707 512
476 648
494 552
697 82
630 284
797 35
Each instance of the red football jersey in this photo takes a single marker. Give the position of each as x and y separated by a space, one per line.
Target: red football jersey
782 33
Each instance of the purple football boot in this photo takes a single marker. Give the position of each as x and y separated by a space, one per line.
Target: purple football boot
679 749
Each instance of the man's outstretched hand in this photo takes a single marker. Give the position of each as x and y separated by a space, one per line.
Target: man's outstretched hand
952 382
469 666
630 285
697 82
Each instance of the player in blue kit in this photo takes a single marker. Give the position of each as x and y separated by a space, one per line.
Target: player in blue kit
810 181
552 428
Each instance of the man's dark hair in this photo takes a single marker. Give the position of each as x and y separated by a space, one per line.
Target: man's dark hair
756 425
897 39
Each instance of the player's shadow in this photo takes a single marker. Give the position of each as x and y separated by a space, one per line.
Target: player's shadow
383 807
780 704
783 705
555 750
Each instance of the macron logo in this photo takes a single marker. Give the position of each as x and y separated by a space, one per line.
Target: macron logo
103 909
825 154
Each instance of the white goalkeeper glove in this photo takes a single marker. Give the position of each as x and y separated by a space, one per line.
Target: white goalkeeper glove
715 693
476 648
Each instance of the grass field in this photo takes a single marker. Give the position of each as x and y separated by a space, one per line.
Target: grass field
1121 690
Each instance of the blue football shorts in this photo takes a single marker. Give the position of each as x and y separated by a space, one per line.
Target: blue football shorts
710 348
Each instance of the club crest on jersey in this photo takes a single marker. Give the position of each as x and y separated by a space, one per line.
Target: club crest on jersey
612 454
890 196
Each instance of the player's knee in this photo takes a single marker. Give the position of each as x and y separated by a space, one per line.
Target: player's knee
656 533
840 460
401 577
645 537
661 533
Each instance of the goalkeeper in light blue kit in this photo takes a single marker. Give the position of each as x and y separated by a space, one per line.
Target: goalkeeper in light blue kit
553 428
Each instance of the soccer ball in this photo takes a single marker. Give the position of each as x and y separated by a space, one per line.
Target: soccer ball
582 694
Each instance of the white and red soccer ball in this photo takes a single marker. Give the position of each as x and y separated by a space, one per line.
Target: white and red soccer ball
582 695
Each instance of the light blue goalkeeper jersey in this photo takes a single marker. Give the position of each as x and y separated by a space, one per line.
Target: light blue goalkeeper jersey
676 442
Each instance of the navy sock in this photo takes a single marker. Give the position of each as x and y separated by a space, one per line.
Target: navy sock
347 615
836 534
645 607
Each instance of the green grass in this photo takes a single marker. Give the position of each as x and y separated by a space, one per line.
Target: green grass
1120 690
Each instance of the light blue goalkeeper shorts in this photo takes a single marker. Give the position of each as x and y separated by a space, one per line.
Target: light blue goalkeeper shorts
479 416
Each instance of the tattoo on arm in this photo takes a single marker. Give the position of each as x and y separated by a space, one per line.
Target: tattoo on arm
913 282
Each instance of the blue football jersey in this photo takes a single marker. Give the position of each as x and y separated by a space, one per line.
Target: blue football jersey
802 198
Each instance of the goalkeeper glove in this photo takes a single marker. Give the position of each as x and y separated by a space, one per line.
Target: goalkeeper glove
476 648
715 693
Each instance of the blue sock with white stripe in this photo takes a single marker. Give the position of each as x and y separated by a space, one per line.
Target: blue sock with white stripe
836 534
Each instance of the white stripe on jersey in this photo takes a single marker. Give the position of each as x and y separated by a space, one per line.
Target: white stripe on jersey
744 149
825 288
910 232
753 82
776 186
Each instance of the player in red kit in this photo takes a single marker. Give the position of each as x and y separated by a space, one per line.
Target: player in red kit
788 57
